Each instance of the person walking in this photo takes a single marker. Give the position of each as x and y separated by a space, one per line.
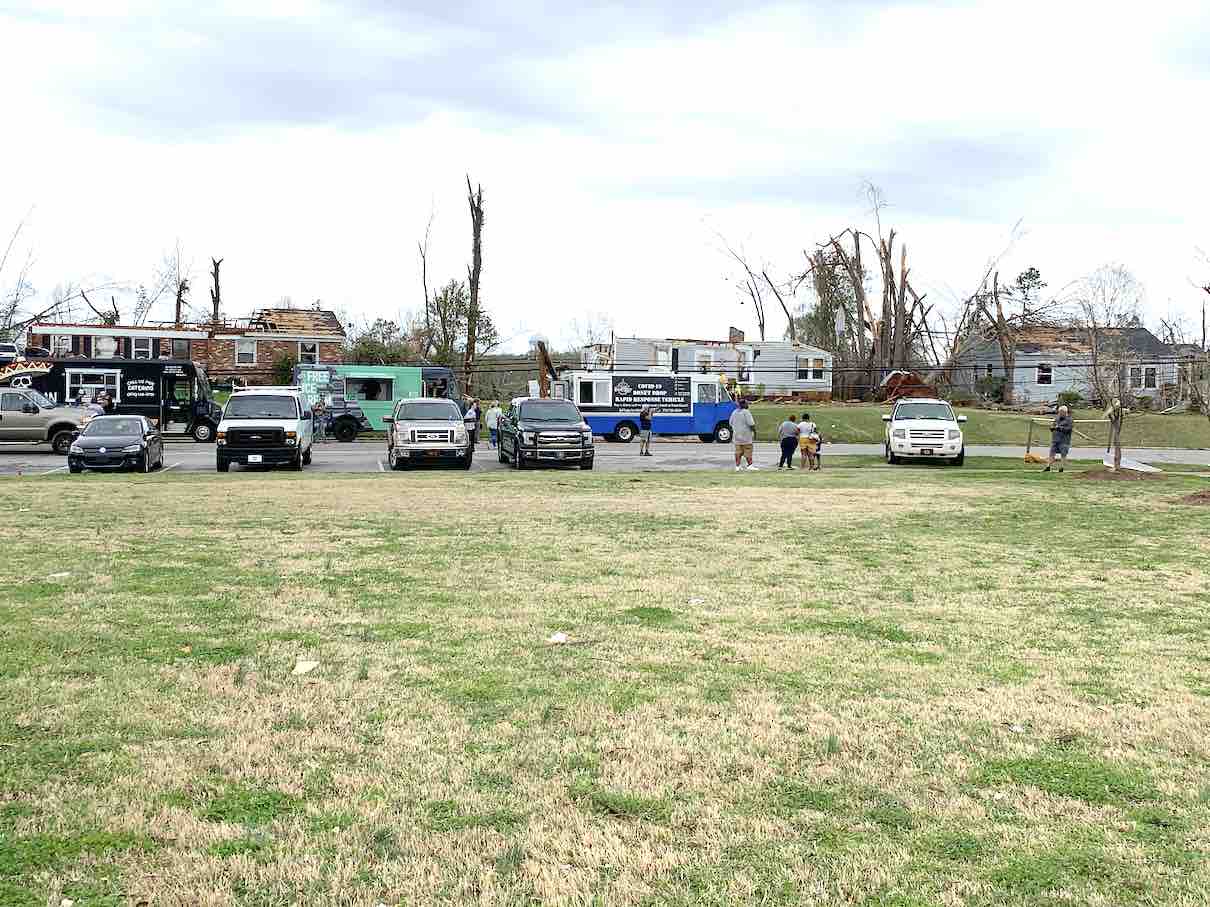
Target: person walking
1060 438
787 437
492 418
319 416
808 442
645 431
471 421
743 433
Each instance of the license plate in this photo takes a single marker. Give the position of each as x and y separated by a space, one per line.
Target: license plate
927 451
254 458
434 453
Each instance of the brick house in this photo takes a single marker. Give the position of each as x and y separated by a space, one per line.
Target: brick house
244 351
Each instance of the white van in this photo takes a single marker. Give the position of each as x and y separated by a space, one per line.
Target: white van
265 426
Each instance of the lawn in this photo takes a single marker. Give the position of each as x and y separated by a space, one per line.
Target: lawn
862 424
865 686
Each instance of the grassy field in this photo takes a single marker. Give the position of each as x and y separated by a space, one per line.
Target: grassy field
863 424
866 687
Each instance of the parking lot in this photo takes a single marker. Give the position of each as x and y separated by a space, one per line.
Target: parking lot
370 456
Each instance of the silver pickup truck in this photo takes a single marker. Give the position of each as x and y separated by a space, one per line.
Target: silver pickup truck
427 430
29 417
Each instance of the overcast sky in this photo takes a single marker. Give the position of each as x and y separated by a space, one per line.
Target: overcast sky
306 143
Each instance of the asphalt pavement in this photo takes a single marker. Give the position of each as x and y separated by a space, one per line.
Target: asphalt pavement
370 456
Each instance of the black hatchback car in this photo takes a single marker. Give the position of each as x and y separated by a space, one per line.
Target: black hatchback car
116 442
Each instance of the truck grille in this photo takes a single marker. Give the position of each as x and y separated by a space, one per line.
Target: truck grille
557 439
926 434
432 436
256 437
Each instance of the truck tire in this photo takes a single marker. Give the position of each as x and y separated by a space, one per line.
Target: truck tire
222 464
75 470
60 440
890 457
466 461
587 464
625 432
203 432
307 457
722 433
345 430
706 439
961 458
297 463
500 452
518 463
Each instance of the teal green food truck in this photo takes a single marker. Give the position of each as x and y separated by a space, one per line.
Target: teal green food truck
375 389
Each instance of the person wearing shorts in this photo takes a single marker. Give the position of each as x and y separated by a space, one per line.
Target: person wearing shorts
743 432
1060 438
645 432
808 442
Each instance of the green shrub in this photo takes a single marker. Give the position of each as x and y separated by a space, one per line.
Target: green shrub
1070 399
991 387
283 369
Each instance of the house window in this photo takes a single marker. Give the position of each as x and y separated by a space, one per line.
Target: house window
141 348
180 349
308 353
90 382
663 356
245 352
803 368
1149 379
1136 377
1044 375
60 345
704 362
816 369
104 347
594 393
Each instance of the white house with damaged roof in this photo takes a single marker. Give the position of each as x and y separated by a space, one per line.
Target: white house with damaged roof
763 367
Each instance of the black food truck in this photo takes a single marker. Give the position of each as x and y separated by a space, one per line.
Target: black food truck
173 392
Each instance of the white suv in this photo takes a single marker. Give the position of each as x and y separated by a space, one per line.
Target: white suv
265 426
924 429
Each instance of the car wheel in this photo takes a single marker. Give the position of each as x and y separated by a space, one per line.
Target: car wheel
706 439
396 462
722 433
587 464
307 457
961 458
61 442
222 464
500 451
345 431
75 470
625 433
890 457
203 432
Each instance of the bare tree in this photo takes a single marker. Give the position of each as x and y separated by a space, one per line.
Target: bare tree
594 328
749 284
426 327
474 198
216 291
785 308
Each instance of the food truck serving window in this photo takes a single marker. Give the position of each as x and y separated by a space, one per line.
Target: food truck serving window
90 382
594 392
369 389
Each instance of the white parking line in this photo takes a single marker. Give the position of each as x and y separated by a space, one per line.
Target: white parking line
166 468
381 466
53 471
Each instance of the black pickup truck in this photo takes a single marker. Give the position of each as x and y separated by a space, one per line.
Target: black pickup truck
535 430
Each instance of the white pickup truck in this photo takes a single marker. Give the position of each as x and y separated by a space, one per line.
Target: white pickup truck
920 428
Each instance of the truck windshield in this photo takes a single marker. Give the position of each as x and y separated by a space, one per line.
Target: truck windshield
550 411
924 411
261 406
43 401
444 411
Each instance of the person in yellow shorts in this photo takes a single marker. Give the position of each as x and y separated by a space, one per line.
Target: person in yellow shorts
808 442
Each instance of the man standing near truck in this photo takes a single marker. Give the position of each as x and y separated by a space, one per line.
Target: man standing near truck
1060 438
743 432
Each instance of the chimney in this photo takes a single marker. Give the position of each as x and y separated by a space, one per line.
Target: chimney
735 335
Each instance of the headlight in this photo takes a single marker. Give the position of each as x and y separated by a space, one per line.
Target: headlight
528 438
587 437
290 442
460 436
955 434
899 433
76 449
132 448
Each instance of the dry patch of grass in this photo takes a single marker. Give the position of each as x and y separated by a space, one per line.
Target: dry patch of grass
934 688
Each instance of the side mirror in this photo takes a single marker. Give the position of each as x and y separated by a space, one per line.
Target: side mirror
962 418
886 418
388 419
29 409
